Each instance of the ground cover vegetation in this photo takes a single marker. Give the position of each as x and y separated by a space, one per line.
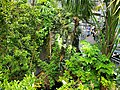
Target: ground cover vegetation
39 49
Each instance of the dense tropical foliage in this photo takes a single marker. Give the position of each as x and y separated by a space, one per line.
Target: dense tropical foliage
40 49
23 30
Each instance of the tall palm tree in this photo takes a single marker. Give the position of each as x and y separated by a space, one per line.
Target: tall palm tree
80 9
110 32
112 22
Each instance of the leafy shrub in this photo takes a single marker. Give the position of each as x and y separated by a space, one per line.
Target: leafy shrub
26 84
117 79
22 33
87 70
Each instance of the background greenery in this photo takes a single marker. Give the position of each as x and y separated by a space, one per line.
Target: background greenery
28 32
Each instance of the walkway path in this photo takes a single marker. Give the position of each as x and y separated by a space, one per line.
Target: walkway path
90 39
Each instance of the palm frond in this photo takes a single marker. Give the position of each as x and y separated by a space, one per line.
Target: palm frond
80 8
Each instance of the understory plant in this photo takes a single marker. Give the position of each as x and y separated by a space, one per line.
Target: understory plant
28 83
87 70
50 69
117 79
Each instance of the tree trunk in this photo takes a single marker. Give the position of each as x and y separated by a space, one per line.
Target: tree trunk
33 2
102 87
74 36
